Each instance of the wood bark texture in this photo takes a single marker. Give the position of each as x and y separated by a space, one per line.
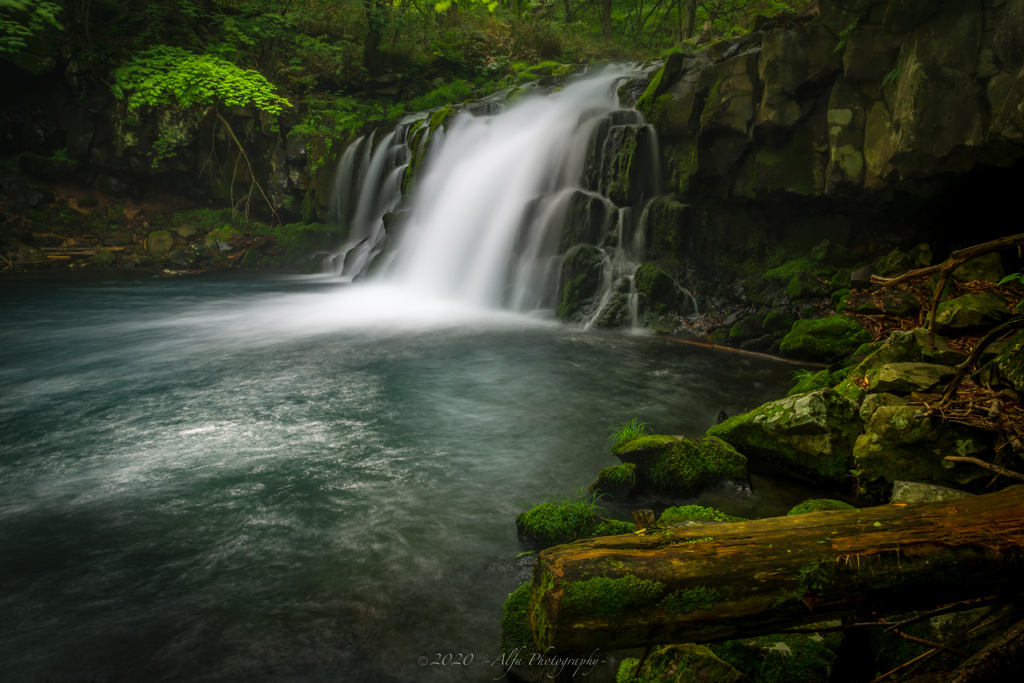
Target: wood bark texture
719 582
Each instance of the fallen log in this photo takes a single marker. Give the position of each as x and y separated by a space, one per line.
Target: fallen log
719 582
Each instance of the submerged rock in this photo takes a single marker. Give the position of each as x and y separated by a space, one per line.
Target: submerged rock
812 434
899 445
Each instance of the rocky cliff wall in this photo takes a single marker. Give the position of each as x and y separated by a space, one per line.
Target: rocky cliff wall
871 125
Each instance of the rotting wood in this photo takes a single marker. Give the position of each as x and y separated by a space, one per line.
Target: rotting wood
945 271
998 660
719 582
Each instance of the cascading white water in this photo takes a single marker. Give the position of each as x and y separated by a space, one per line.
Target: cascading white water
484 222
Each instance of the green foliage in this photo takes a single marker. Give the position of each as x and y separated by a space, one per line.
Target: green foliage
515 627
1018 277
22 20
893 75
818 505
603 596
449 93
173 78
568 519
686 601
806 381
627 431
694 513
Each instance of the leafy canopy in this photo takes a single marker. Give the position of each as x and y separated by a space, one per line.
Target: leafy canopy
165 76
21 20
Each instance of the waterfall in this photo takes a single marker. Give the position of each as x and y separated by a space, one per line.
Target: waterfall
498 196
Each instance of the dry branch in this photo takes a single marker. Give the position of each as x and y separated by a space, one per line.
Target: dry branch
945 271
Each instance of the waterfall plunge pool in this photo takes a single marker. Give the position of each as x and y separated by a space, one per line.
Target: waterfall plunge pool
277 479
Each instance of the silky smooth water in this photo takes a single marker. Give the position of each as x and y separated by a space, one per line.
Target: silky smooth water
232 478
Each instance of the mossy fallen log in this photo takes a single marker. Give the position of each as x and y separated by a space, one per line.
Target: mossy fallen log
711 583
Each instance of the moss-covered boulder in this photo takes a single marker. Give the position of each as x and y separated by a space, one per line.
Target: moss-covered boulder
782 658
687 663
684 466
915 492
694 514
911 347
159 242
889 301
971 312
666 221
873 402
904 378
656 291
580 279
1010 361
824 339
987 268
898 445
802 286
103 258
808 381
618 481
778 320
819 505
519 654
565 521
812 434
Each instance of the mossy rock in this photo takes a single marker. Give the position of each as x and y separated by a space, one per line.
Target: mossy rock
987 268
898 445
515 626
904 378
819 505
808 382
618 481
971 312
160 242
250 260
1010 361
812 434
908 347
782 275
555 523
580 279
783 658
803 286
694 513
894 263
873 402
687 466
824 339
688 663
656 291
778 321
103 258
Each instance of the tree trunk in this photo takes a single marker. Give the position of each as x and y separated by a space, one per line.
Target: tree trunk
720 582
606 18
376 22
688 17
